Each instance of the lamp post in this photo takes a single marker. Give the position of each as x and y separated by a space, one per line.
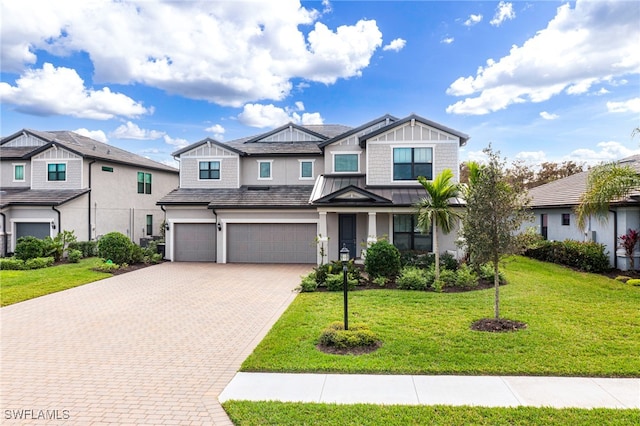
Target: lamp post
344 258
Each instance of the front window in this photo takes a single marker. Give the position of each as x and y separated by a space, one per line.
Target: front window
209 169
566 219
18 172
149 224
264 169
345 163
56 171
409 163
144 183
306 170
407 235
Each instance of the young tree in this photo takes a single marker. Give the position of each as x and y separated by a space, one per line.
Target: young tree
495 211
435 211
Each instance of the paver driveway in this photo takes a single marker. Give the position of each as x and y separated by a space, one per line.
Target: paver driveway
152 346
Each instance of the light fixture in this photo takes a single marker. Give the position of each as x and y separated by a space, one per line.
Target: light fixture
344 254
166 226
344 258
219 226
53 225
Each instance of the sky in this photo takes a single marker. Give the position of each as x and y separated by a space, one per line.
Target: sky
535 80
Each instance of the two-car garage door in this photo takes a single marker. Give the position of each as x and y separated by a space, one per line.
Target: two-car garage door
271 243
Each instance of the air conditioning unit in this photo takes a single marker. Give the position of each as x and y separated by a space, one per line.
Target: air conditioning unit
590 236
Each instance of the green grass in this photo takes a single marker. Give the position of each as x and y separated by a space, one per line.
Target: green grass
578 325
18 286
279 413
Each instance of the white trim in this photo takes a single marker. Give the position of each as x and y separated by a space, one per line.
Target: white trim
24 170
206 160
312 161
270 169
169 235
411 145
333 160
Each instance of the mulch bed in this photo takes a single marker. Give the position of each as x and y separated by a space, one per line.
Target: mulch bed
500 325
359 350
133 267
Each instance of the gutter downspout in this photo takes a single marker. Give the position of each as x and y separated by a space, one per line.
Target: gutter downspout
89 209
4 235
615 238
59 218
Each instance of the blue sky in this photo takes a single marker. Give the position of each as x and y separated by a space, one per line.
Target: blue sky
539 80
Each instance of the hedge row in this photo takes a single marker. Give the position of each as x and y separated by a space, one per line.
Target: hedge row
585 256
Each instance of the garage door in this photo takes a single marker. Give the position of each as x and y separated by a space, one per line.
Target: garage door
195 242
271 243
37 229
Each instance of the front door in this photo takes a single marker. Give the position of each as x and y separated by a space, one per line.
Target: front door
347 231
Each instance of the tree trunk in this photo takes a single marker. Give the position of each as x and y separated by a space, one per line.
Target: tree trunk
435 248
496 284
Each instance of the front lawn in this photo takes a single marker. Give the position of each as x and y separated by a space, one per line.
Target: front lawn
17 286
279 413
579 324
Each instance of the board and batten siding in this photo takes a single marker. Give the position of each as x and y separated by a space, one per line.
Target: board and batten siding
189 171
25 140
56 155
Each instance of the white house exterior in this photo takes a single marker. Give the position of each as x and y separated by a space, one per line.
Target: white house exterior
554 218
297 192
55 181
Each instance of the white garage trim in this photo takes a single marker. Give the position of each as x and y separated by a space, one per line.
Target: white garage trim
170 237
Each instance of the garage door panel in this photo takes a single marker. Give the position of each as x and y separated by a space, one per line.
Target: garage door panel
39 230
271 243
195 242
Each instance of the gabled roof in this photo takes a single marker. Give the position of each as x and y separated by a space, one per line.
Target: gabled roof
463 137
385 118
38 197
79 145
566 192
204 142
352 194
258 138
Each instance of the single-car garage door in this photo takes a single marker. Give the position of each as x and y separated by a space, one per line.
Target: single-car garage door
195 242
271 243
39 230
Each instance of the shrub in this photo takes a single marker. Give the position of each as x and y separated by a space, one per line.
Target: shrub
107 266
12 263
466 277
116 247
335 282
383 260
53 247
411 278
380 281
448 261
438 285
417 258
335 268
622 278
137 254
358 335
487 273
39 262
430 276
585 256
29 248
309 283
527 240
448 277
634 282
88 248
74 256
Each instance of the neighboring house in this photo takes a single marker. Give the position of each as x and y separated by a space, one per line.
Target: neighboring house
554 218
291 194
55 181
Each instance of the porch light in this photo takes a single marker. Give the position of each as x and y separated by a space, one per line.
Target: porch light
166 226
53 225
344 254
344 258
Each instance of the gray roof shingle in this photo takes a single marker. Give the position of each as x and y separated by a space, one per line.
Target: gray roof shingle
38 197
282 196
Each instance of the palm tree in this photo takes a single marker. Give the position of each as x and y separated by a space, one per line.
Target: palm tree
435 211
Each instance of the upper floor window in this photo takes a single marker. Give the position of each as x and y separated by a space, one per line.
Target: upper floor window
306 169
209 169
407 235
345 163
264 169
409 163
56 171
144 183
18 172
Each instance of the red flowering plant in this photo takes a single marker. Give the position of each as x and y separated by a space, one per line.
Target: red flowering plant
628 243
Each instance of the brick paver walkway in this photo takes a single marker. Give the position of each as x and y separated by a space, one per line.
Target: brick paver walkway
153 346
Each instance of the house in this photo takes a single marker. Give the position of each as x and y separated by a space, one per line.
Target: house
297 194
554 218
55 181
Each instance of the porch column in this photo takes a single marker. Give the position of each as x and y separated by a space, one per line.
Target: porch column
372 230
323 238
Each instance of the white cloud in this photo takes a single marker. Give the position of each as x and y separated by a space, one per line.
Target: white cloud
61 91
548 116
97 135
504 11
395 45
258 115
229 53
594 42
178 142
608 151
632 105
133 131
532 157
472 20
217 130
447 40
602 91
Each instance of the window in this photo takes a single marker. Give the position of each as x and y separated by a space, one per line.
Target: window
306 169
407 236
345 163
264 169
149 224
144 183
18 172
107 169
56 171
409 163
209 169
566 219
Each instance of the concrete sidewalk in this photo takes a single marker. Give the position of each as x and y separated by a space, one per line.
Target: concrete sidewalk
488 391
